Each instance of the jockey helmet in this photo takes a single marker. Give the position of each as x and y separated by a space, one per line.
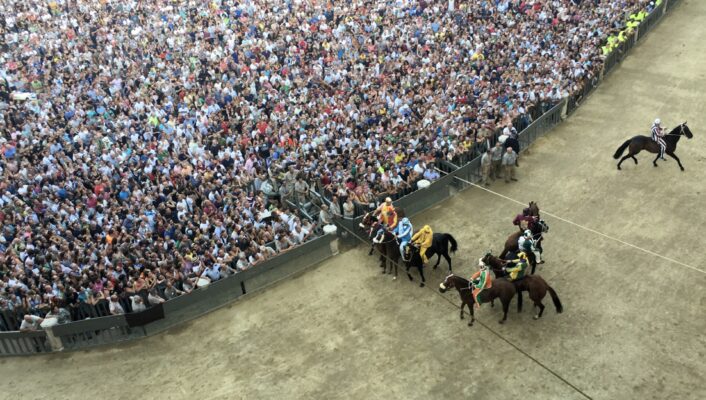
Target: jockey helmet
658 121
482 265
528 233
525 211
388 200
405 220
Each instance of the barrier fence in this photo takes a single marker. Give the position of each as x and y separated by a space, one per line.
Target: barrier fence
116 328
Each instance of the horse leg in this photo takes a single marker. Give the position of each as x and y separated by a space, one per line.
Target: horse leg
421 273
625 158
634 159
655 160
473 317
448 260
408 274
506 306
538 303
396 265
519 300
462 305
438 260
674 156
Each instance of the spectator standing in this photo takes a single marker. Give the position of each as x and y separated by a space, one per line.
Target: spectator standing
509 164
496 158
485 165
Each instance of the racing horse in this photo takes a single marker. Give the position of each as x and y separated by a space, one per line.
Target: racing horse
440 246
414 260
390 245
534 284
501 288
639 143
370 225
511 244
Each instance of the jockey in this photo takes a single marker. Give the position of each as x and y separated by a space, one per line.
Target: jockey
480 281
404 233
383 213
423 240
526 244
517 271
524 217
658 136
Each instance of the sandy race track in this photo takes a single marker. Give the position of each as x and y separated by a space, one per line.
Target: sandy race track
634 325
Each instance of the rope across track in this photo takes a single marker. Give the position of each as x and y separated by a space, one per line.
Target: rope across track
486 326
583 227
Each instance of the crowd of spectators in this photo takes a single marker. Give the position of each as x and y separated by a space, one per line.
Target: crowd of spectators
147 145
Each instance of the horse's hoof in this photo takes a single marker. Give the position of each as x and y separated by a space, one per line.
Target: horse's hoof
682 170
502 321
470 324
410 278
536 317
421 284
394 278
654 165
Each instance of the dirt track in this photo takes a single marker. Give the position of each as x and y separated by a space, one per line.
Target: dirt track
633 326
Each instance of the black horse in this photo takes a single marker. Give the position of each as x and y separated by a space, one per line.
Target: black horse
440 246
639 143
389 247
415 260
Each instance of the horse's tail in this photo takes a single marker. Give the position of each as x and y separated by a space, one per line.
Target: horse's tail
555 299
621 149
454 245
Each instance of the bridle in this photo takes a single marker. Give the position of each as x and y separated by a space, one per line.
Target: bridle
454 285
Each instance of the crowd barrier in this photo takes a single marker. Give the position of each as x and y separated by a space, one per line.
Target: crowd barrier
618 54
113 329
117 328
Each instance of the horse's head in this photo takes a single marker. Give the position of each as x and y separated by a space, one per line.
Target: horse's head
684 129
533 209
369 224
493 262
448 283
543 225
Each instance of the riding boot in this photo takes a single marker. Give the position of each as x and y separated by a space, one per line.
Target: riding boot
538 256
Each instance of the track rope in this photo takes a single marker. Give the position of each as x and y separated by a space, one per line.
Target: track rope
585 228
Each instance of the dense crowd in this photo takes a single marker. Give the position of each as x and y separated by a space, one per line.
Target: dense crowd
148 145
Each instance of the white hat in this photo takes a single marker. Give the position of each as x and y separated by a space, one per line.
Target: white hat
658 121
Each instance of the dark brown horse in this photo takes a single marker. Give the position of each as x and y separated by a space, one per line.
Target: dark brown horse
639 143
390 253
501 288
534 284
371 226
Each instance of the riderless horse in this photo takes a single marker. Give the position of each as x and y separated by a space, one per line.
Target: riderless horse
639 143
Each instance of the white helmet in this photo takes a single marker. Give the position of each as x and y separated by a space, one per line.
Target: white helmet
528 233
658 121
